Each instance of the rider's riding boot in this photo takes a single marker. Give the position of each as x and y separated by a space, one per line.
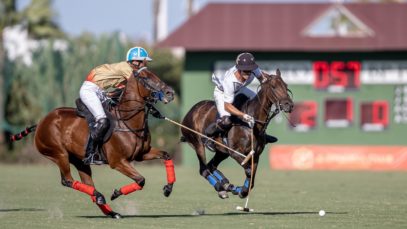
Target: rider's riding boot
99 129
91 147
210 131
270 139
95 142
215 129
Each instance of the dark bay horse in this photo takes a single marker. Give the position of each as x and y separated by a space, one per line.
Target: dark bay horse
61 137
273 93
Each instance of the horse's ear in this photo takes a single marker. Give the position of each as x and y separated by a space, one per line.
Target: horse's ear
278 73
145 62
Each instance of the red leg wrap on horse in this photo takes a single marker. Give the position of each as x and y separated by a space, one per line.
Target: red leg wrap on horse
130 188
169 166
105 208
83 188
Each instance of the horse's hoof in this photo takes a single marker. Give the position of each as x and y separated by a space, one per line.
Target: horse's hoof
167 190
223 194
116 193
115 215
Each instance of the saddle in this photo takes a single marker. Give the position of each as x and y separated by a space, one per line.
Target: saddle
83 112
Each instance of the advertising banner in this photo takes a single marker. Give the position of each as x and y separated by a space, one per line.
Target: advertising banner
337 157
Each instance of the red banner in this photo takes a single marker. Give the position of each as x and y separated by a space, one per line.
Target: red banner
338 157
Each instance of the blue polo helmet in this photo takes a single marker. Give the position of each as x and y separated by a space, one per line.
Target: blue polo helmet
137 53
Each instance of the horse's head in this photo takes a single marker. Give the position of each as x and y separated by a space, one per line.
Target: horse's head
150 87
277 91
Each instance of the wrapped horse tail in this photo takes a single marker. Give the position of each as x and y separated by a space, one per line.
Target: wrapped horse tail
23 133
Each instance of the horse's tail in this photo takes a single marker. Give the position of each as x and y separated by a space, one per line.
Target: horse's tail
23 133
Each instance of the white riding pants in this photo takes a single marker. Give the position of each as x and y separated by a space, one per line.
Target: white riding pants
220 102
92 95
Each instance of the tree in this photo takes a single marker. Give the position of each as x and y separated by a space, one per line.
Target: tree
39 18
8 16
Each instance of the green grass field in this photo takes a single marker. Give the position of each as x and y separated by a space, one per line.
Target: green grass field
32 197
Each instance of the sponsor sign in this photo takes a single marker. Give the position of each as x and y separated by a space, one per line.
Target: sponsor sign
338 157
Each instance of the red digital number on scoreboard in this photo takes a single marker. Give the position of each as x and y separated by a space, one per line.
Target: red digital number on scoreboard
336 74
304 115
374 115
338 112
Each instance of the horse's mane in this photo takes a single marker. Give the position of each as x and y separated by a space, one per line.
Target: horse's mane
242 102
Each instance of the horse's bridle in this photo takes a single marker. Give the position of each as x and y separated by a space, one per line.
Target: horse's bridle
155 95
270 115
156 89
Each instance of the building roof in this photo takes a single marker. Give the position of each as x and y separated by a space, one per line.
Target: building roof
293 27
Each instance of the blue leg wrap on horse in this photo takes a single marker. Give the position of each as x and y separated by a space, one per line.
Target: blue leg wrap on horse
247 183
219 175
214 182
236 190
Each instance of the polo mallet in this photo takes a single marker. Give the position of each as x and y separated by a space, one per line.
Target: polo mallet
245 208
246 158
249 156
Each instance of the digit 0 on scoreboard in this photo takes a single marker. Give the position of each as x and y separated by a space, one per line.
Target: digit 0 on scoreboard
336 76
374 116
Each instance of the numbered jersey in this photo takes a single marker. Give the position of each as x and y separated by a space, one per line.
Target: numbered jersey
229 84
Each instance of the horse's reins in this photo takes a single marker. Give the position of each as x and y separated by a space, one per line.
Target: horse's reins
247 157
275 112
138 109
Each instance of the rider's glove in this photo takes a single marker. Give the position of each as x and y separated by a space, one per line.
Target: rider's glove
249 120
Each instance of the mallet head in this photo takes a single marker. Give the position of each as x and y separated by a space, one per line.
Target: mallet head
240 208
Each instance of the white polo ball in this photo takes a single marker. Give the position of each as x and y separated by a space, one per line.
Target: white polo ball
321 213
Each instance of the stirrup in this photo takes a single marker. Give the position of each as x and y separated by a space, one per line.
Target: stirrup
94 159
210 145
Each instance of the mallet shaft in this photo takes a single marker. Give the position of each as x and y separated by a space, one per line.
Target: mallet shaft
210 139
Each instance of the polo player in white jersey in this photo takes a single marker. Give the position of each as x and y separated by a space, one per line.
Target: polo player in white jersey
227 87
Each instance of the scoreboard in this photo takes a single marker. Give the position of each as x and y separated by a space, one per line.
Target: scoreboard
341 102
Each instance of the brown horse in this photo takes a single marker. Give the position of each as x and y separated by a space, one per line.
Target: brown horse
61 137
273 91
